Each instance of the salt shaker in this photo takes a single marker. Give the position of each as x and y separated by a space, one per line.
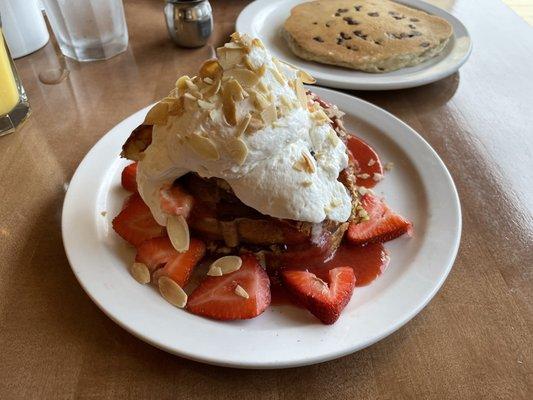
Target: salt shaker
189 22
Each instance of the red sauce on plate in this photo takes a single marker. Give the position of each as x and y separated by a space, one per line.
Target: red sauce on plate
368 263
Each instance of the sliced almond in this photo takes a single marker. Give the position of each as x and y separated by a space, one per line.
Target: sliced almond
277 75
214 271
263 87
254 125
181 84
305 77
172 292
229 108
241 128
178 232
211 69
332 137
260 101
300 93
320 117
228 264
309 163
269 114
257 43
229 57
208 80
235 90
239 291
158 114
205 105
203 146
140 272
238 150
244 76
212 90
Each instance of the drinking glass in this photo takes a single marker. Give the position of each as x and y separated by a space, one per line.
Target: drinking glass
14 107
88 30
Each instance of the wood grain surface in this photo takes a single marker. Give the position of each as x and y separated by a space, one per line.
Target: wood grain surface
473 341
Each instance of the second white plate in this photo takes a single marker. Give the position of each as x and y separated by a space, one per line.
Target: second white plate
264 19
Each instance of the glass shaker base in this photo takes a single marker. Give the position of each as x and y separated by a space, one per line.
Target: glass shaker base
83 52
12 120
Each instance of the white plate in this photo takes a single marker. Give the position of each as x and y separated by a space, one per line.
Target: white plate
264 19
419 187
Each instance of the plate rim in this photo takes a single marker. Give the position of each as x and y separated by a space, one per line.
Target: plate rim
245 20
185 353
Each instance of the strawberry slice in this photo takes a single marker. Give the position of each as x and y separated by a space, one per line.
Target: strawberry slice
175 201
325 300
217 296
367 161
383 225
181 265
129 177
135 222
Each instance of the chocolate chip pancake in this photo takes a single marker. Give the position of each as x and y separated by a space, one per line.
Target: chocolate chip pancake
367 35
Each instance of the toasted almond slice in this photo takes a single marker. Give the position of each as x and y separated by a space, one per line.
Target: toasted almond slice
158 114
228 264
178 232
172 292
205 105
140 272
203 146
269 114
244 76
211 69
235 90
307 183
232 45
305 77
309 163
229 57
278 76
254 125
263 87
332 137
239 291
241 128
181 84
214 271
229 108
257 43
300 93
238 150
208 80
212 90
260 101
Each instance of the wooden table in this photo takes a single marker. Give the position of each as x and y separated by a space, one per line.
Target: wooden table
474 340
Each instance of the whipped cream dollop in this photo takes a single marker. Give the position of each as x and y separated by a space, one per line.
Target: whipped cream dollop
246 119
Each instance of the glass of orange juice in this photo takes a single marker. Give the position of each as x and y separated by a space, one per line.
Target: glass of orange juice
14 107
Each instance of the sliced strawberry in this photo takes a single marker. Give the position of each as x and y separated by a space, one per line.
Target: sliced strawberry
180 266
383 225
135 222
175 201
155 252
129 177
325 300
216 298
367 161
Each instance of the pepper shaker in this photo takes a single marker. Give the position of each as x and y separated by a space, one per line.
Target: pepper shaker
189 22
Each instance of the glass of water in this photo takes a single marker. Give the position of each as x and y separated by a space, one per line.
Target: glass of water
88 30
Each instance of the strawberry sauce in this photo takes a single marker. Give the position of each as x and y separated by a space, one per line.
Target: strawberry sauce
368 263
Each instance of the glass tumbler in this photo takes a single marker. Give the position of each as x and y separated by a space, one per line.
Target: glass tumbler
14 107
88 30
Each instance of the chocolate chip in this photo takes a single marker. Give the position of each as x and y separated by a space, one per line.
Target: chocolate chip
425 44
345 36
337 14
381 69
412 26
373 14
318 39
360 34
352 47
415 33
316 23
400 35
357 8
378 42
398 17
339 40
351 21
414 19
342 10
329 23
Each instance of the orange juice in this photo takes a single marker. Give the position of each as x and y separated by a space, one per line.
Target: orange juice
9 95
